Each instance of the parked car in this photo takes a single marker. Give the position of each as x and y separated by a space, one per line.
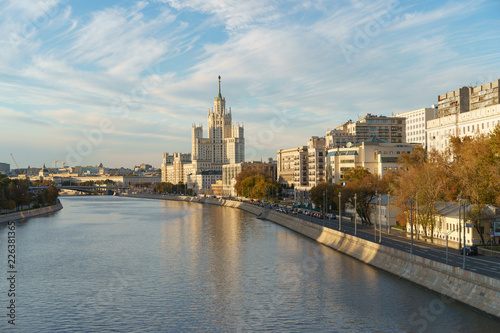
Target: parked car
469 250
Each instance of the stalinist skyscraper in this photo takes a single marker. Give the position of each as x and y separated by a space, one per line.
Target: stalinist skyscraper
225 143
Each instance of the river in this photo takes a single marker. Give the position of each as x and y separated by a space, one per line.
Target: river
113 264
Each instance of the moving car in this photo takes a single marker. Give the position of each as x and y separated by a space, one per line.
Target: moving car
469 250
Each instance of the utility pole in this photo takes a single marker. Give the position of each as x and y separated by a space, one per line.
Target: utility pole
355 215
411 224
340 212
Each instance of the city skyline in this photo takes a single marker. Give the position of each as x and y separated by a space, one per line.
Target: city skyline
121 82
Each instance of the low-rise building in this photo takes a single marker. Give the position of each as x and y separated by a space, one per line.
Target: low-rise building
376 155
203 182
449 223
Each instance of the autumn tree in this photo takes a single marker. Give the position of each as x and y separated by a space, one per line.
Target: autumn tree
425 180
253 183
365 186
476 167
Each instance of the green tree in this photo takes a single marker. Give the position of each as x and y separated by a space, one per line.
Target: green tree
326 192
366 187
50 195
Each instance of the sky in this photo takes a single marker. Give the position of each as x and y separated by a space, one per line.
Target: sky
121 82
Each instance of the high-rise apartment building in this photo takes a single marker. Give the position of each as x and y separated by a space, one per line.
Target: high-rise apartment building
476 110
468 99
303 167
391 129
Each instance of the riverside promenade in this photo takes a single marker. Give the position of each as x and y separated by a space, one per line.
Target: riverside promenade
472 289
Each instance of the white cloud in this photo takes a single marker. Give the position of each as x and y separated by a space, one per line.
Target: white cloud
234 14
152 70
121 42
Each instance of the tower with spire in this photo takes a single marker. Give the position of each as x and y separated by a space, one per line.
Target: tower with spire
225 143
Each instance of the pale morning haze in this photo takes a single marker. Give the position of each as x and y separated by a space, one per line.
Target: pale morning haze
121 82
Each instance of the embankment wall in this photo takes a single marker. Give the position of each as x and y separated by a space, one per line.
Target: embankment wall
31 213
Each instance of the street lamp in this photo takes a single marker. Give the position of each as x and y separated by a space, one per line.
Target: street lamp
411 224
323 223
388 219
326 203
463 263
375 223
380 217
340 212
355 215
459 221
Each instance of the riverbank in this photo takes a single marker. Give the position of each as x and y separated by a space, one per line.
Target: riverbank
471 289
31 213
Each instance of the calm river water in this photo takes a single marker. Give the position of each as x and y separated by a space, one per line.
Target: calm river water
112 264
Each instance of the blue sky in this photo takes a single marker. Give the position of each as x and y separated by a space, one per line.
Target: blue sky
120 82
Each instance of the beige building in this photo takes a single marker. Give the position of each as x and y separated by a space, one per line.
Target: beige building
230 173
392 129
416 124
225 144
376 155
316 155
468 99
447 224
175 168
292 167
302 167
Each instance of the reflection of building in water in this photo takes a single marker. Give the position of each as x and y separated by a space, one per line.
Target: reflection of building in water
210 240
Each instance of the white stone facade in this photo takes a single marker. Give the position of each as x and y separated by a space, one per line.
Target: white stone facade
479 121
376 156
416 124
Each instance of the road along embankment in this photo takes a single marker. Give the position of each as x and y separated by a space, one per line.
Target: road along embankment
31 213
472 289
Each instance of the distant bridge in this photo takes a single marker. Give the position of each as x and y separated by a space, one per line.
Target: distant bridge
92 189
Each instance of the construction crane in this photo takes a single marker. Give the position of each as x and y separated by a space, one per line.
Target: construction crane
21 173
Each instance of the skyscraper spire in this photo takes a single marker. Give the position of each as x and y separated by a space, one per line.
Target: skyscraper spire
220 95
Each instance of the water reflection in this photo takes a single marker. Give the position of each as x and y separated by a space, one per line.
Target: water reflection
122 264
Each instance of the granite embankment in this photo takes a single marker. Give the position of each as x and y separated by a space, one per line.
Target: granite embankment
474 290
31 213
